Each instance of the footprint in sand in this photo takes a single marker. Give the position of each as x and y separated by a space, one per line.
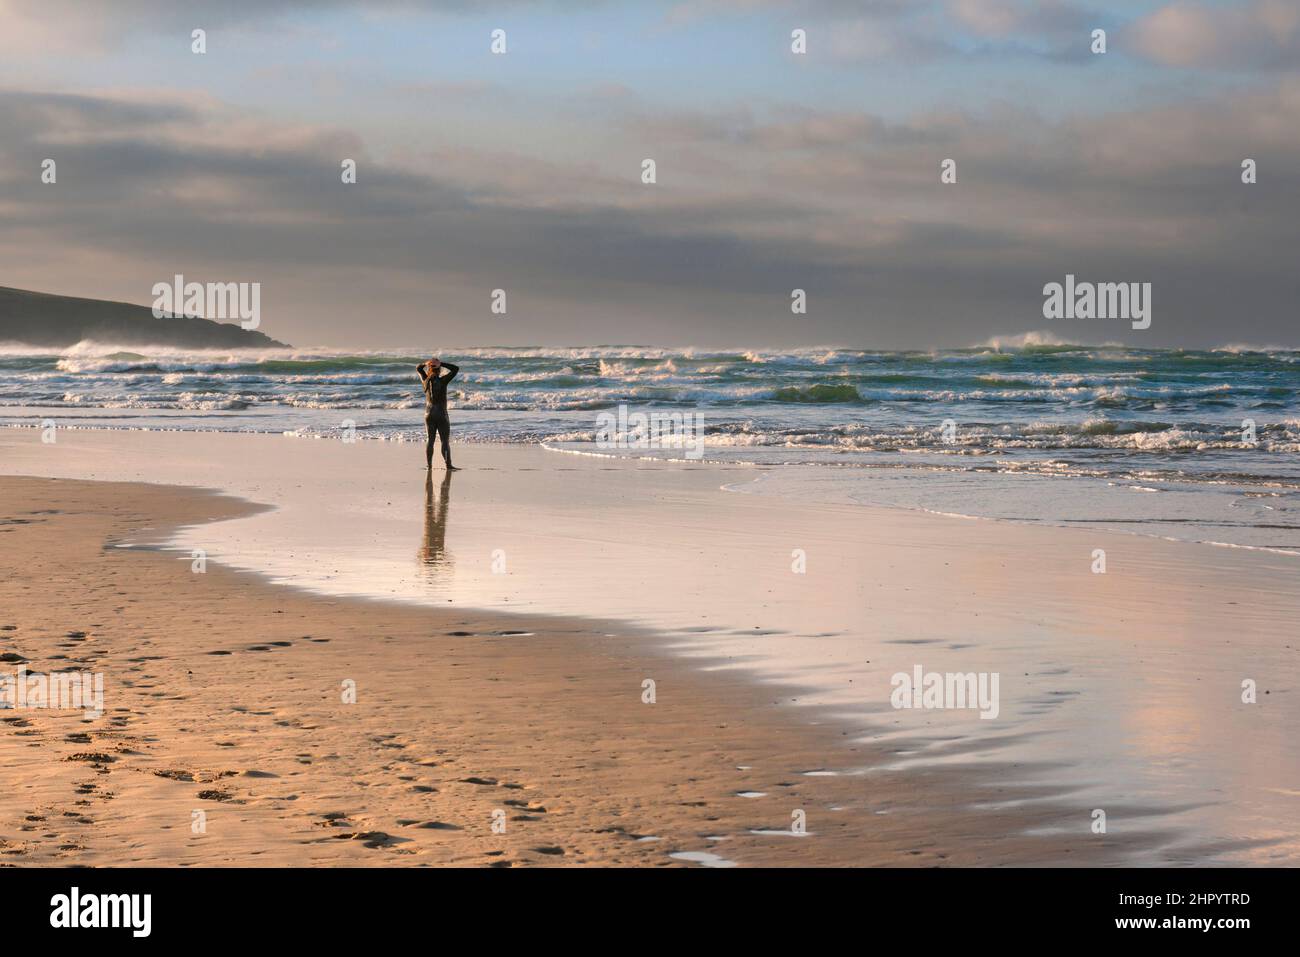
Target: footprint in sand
526 805
175 775
485 782
373 839
94 757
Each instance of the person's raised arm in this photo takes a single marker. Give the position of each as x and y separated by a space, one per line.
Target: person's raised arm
420 369
452 369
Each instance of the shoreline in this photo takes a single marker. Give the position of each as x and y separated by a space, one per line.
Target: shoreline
238 724
1130 519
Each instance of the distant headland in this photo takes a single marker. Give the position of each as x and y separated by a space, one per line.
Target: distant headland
44 320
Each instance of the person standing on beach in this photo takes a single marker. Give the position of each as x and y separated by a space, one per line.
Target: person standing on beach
436 422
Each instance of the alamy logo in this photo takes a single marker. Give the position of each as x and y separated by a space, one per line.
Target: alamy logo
1103 300
652 430
61 691
214 300
103 910
939 691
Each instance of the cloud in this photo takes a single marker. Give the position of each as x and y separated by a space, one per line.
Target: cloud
1264 34
958 30
1003 19
78 26
752 201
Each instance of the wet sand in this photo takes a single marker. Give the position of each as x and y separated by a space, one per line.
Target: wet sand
223 696
1119 691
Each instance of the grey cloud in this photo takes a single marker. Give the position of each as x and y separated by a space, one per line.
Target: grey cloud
751 204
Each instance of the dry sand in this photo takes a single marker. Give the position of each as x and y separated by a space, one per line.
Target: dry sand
223 695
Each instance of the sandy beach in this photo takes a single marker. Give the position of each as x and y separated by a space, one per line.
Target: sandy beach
486 700
224 698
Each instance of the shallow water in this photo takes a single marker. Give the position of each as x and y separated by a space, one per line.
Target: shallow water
1155 442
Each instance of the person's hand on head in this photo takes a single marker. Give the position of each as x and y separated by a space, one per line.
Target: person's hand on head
434 364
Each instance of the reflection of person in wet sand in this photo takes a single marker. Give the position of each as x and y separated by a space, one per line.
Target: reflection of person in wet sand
433 550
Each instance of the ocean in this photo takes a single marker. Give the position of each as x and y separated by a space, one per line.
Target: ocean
1182 444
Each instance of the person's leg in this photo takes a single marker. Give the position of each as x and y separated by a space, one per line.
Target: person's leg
444 433
428 445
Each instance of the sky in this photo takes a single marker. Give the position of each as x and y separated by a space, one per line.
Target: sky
775 170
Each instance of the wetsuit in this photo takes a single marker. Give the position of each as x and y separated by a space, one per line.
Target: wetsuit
436 422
